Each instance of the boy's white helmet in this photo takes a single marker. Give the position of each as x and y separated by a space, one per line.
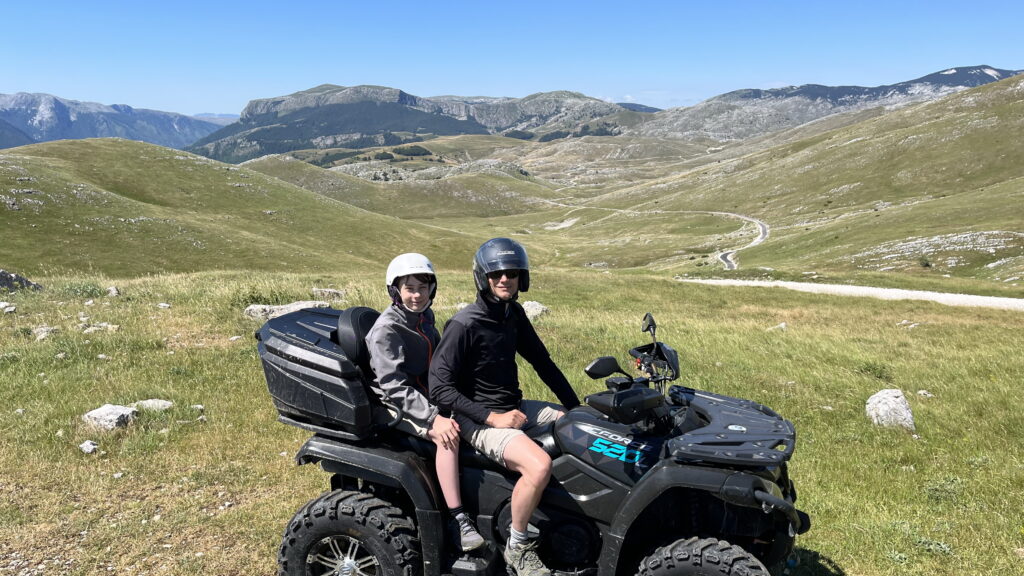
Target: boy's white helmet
409 264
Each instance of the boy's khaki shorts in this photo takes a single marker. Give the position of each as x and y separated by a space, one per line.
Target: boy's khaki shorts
492 441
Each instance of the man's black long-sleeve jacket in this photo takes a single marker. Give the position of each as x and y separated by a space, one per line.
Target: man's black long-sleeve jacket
474 370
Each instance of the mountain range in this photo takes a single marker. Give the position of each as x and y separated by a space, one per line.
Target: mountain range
43 118
357 117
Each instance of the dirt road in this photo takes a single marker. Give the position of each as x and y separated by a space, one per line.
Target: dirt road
883 293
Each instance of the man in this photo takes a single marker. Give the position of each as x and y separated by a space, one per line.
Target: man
474 376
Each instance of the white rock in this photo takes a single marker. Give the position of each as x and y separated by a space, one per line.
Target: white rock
88 447
117 475
781 327
43 331
331 294
19 411
103 357
110 416
163 305
89 303
198 407
925 394
153 405
113 291
234 338
534 310
461 305
890 408
4 304
9 309
266 312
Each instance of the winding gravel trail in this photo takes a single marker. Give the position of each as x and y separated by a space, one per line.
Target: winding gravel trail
883 293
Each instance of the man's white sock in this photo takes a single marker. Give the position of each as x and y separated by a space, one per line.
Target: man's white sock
516 538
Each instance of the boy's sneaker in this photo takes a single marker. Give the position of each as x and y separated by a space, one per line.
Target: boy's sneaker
469 538
522 560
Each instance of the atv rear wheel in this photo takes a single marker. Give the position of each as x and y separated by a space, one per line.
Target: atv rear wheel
701 557
349 533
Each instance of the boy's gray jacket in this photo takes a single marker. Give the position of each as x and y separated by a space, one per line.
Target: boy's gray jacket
401 344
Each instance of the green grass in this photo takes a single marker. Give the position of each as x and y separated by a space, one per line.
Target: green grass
882 501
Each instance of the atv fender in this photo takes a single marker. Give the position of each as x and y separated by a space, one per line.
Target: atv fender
732 486
403 470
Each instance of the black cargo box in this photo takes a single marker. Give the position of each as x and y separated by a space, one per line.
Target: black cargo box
316 366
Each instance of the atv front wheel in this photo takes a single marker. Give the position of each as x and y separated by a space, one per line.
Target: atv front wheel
349 533
701 557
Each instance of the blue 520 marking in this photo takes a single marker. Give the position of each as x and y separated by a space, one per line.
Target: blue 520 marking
616 451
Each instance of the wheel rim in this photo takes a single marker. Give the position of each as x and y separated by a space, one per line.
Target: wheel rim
342 556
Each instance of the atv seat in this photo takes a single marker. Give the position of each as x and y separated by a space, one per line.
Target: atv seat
353 326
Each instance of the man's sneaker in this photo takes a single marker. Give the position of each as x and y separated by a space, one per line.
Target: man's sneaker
469 538
522 560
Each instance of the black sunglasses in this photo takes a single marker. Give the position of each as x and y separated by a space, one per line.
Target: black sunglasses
497 274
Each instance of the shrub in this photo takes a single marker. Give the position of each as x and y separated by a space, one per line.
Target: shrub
519 134
556 135
413 150
82 290
383 156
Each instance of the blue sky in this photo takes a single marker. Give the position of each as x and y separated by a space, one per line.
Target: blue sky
193 57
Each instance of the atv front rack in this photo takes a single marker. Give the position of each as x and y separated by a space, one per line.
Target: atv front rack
735 431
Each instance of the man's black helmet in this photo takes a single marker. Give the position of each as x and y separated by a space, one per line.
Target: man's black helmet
501 254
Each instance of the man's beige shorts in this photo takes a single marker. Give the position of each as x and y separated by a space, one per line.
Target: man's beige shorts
493 441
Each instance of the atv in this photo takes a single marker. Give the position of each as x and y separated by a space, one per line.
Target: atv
644 480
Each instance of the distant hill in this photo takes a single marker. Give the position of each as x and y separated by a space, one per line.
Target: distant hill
43 118
331 116
218 119
749 113
638 107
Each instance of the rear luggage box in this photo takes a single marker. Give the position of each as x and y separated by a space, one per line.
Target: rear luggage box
313 383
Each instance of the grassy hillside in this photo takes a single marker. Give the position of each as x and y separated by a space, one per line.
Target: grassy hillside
175 494
889 193
477 193
127 208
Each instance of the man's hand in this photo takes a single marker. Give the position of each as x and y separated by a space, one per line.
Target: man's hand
510 419
445 432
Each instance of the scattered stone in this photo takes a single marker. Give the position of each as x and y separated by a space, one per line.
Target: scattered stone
890 408
163 305
198 408
153 405
117 475
461 305
330 294
234 338
19 411
88 447
110 416
534 310
90 303
42 332
827 408
9 308
103 357
113 291
61 355
266 312
11 282
782 327
908 324
101 327
925 394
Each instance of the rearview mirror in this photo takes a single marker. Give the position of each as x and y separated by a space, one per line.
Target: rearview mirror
649 325
603 367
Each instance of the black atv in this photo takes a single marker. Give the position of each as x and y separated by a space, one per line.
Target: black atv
643 481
